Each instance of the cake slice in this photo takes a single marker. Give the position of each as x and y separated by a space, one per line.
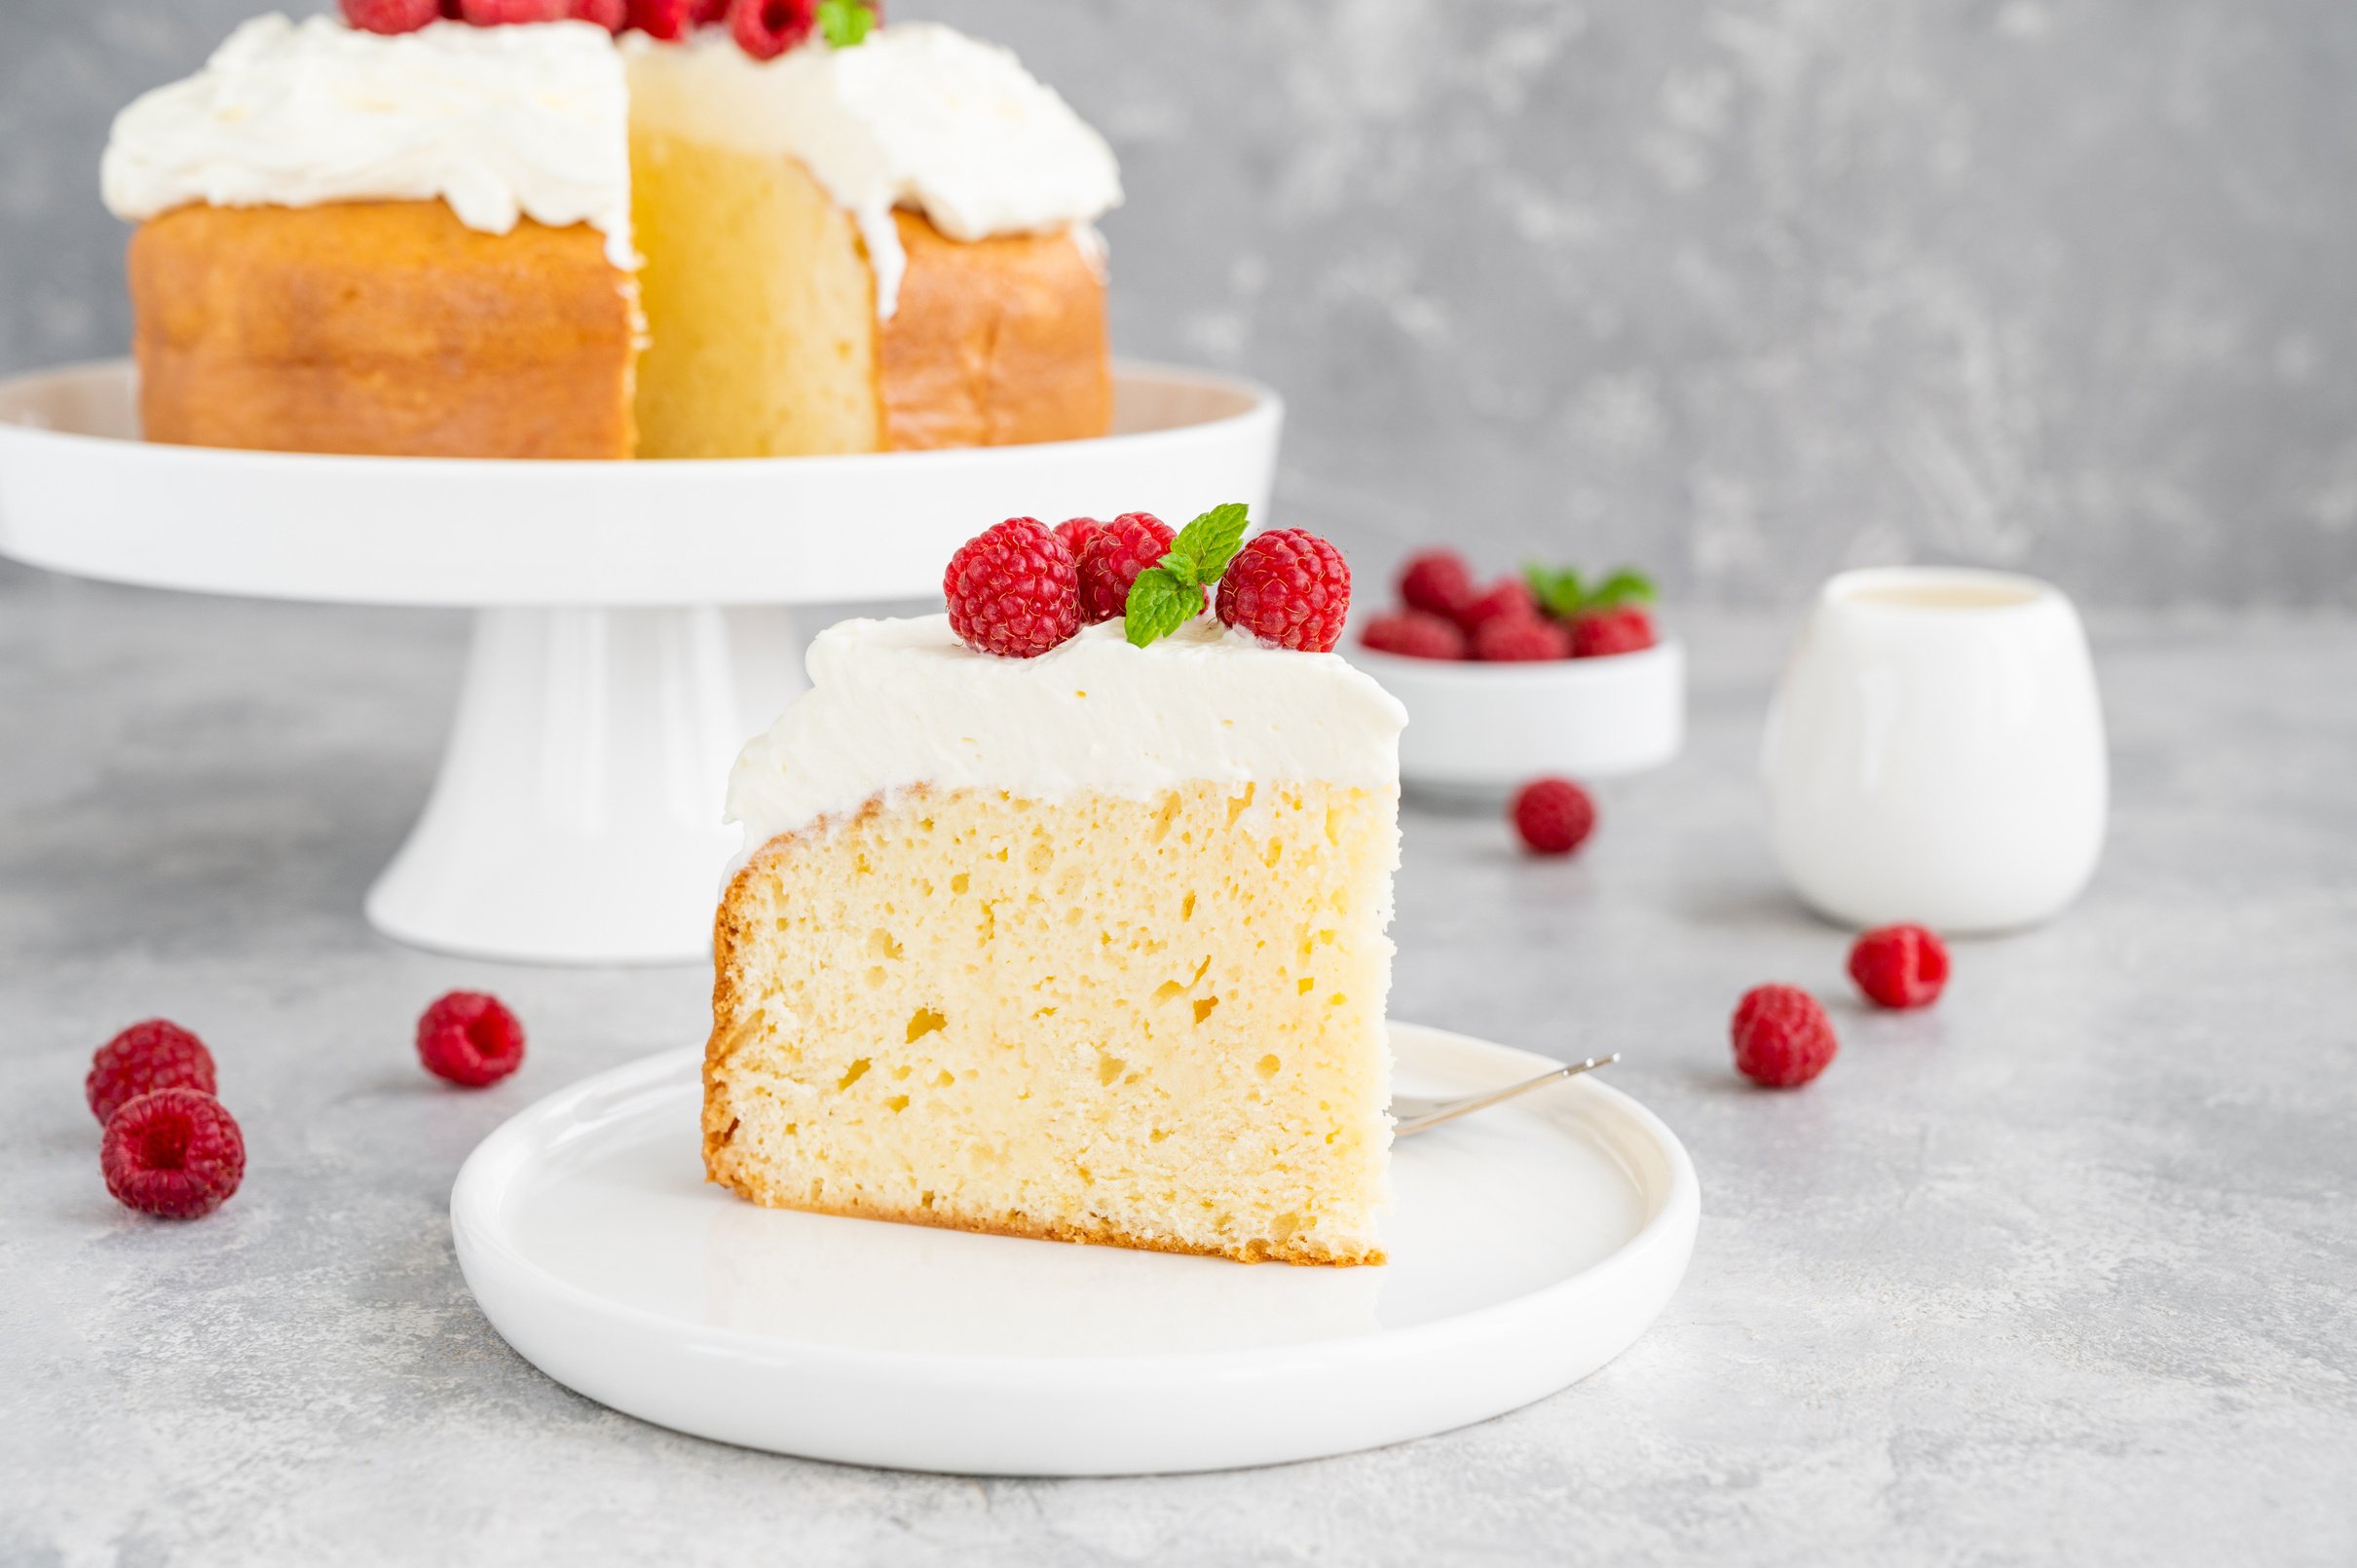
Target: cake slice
1087 946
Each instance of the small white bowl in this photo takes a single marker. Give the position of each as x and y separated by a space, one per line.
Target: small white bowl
1480 731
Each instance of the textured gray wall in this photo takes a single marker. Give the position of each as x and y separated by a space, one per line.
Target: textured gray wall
1748 292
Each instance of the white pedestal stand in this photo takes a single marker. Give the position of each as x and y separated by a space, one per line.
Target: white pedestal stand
575 818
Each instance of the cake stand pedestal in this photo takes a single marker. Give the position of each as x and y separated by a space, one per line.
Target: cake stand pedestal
633 621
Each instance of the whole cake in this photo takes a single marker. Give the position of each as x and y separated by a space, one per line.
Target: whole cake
1087 944
548 240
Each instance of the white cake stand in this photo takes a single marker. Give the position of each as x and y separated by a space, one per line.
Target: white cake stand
631 628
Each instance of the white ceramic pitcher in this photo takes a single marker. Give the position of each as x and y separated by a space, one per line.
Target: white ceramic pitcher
1935 752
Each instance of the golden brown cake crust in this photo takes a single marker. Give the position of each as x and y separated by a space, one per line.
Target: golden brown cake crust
386 327
993 343
732 1020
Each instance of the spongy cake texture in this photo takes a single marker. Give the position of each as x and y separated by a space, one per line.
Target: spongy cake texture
1154 1023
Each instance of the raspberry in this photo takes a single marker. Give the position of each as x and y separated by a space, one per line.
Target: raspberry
1783 1037
146 1056
1076 531
1288 588
766 28
391 15
1013 591
175 1153
1115 553
509 13
1553 815
1437 583
1900 967
610 15
1511 639
1508 596
469 1039
709 12
1597 633
663 18
1414 634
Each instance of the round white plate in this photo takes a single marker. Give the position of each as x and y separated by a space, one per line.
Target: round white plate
1531 1244
80 493
1479 730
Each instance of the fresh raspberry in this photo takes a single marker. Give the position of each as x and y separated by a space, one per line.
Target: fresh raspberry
1414 634
1597 633
175 1153
663 18
1288 588
766 28
1115 553
1511 639
469 1039
391 15
155 1055
1783 1037
1508 596
1437 583
512 13
1900 967
1013 591
1076 532
610 15
710 13
1553 815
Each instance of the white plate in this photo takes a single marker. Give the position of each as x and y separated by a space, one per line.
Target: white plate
1479 730
1531 1245
80 493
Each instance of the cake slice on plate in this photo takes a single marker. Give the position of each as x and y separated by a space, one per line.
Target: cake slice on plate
1052 934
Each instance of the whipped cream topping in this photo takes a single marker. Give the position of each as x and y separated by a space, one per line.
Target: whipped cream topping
918 115
500 123
897 703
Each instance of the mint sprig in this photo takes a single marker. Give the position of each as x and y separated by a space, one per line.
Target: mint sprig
1564 594
845 22
1169 594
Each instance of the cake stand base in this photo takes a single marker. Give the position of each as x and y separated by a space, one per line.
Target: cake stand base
576 817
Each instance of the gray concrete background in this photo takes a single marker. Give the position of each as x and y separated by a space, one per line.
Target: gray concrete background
1747 291
2063 1271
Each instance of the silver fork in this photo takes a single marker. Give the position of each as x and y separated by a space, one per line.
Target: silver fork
1414 1116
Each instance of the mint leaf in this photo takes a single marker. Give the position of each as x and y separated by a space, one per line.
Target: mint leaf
1559 592
1624 586
845 23
1205 546
1159 604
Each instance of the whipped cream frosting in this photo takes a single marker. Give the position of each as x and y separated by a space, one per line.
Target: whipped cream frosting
896 703
500 123
918 115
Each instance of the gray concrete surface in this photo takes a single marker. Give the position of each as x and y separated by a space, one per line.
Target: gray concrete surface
1744 290
2065 1270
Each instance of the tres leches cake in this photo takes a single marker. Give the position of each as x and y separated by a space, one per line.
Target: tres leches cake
1064 914
409 234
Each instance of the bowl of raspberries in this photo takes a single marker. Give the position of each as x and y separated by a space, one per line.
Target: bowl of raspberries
1552 671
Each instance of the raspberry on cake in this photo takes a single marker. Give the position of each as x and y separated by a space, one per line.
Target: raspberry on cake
1110 560
1087 946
